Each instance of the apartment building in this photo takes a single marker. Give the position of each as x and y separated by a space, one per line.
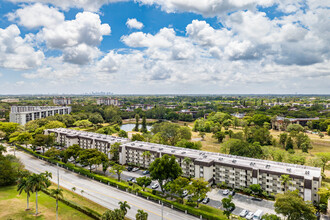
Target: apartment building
107 101
24 114
85 140
10 100
62 101
235 171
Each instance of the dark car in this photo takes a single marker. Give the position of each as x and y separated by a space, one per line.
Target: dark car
145 172
129 168
232 193
130 179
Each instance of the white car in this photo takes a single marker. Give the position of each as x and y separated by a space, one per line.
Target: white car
243 213
135 169
155 186
249 215
225 192
185 193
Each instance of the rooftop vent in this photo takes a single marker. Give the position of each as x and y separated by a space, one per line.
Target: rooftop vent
288 169
307 172
133 144
252 164
172 151
234 161
204 156
183 152
267 166
141 145
161 148
220 158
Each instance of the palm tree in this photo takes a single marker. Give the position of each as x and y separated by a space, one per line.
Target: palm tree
141 215
37 183
285 181
146 154
124 206
57 193
23 185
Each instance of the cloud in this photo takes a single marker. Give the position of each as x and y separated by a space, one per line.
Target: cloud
87 5
37 15
133 23
16 52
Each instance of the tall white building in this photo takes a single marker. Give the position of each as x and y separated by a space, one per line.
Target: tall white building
24 114
62 101
107 101
235 171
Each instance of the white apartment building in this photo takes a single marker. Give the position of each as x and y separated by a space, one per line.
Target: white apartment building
235 171
62 101
107 101
85 140
24 114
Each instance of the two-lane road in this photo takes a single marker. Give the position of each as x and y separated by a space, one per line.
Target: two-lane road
100 193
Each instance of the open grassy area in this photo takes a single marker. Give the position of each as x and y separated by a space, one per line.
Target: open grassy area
12 206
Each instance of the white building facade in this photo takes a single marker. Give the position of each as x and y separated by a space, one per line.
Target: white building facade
236 172
24 114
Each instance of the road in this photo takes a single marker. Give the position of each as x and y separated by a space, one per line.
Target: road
100 193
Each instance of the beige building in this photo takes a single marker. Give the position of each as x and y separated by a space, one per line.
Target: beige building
62 101
10 100
235 171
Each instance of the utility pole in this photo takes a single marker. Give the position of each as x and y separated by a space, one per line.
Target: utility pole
162 210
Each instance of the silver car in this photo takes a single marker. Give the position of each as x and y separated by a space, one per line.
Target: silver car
243 213
249 215
225 192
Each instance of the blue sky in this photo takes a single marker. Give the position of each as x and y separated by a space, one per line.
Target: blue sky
164 46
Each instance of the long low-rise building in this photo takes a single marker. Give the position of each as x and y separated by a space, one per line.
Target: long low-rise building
24 114
235 171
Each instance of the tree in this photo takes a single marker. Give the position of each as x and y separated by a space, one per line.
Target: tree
114 151
122 134
270 217
83 123
57 193
324 158
259 119
146 154
116 214
285 181
117 169
163 169
105 166
198 189
136 128
2 149
289 144
295 127
9 128
202 134
124 207
2 135
91 157
242 148
54 124
283 138
143 181
23 138
321 135
189 144
137 137
43 141
73 151
39 182
219 136
10 168
228 205
292 206
96 118
141 215
170 133
53 153
256 189
144 125
23 185
178 186
328 130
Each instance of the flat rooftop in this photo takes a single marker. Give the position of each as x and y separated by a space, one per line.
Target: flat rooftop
90 135
18 109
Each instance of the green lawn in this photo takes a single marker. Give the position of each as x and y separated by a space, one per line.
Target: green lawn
12 206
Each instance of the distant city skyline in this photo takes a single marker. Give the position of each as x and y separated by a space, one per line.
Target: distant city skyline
164 47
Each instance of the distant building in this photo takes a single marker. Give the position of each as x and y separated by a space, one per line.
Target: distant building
239 115
24 114
61 101
107 101
281 122
10 100
276 104
142 106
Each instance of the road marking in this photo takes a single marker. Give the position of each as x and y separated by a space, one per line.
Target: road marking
97 192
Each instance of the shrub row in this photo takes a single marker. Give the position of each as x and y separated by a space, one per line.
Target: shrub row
124 186
87 211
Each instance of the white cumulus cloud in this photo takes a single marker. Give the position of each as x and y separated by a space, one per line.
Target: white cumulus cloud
133 23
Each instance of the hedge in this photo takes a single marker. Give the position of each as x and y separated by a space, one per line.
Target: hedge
125 187
87 211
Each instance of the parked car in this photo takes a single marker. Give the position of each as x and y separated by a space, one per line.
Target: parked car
225 192
129 168
185 193
145 172
249 215
155 186
134 180
232 193
130 179
200 199
243 213
258 214
206 200
135 169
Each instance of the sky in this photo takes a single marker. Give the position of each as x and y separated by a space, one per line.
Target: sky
165 46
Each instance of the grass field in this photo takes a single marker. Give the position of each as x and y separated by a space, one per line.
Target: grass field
12 206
